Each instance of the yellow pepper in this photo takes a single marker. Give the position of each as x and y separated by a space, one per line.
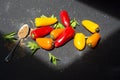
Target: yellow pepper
79 41
91 26
45 21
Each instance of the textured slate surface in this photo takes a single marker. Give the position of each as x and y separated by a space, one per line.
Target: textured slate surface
102 62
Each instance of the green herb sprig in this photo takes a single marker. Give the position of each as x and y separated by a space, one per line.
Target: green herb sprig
10 36
74 23
58 25
33 46
53 59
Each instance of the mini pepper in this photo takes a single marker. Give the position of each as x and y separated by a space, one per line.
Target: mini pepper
79 41
40 32
91 26
65 19
45 43
45 21
93 40
54 34
65 36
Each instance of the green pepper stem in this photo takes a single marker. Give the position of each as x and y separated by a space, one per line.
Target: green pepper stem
97 30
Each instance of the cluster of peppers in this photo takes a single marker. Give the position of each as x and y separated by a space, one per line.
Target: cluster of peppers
60 36
80 40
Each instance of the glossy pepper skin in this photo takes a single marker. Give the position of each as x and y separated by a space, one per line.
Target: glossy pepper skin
79 41
66 35
45 21
54 34
65 19
93 40
45 43
91 26
40 32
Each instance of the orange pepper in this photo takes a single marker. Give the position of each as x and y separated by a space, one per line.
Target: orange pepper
93 40
45 43
56 32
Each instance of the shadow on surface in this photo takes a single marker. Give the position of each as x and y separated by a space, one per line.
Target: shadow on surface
24 67
111 7
102 63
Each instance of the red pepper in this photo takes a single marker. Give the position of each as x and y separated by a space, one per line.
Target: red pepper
65 18
40 32
67 35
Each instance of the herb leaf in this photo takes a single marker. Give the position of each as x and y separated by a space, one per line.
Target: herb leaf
53 16
33 46
53 59
58 25
74 23
43 16
10 36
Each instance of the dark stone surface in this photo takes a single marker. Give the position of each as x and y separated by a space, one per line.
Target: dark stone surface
101 63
